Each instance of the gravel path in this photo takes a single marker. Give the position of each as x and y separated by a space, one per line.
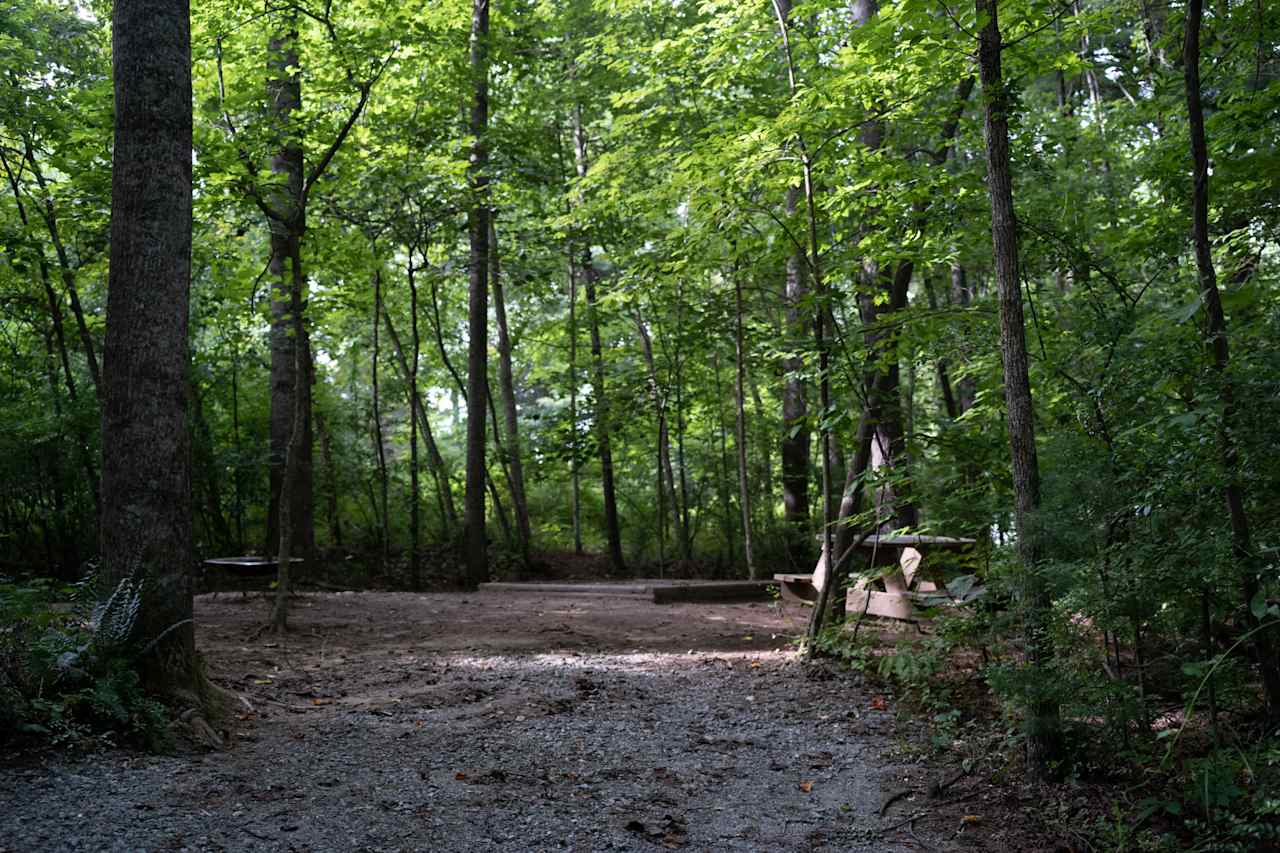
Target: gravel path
493 722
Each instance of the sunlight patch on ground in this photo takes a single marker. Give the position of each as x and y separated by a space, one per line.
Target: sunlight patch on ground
636 663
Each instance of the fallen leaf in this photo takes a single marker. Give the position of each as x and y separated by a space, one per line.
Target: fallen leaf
755 664
971 819
460 775
262 681
748 637
878 703
321 701
806 786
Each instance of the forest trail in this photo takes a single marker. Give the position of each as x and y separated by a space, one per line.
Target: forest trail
501 722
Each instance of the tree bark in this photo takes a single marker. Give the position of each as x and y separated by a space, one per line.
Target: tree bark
237 477
146 475
290 344
783 8
962 296
506 381
740 437
666 473
682 465
478 302
796 437
288 485
722 485
885 293
575 475
950 406
379 443
415 507
1233 491
764 445
1043 723
613 531
603 427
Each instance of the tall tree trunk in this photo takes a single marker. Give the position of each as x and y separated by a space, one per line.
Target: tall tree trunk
740 423
603 426
666 473
379 443
722 482
796 438
783 9
290 345
575 474
478 302
146 475
290 481
764 445
500 445
950 406
884 291
613 530
1233 492
506 381
415 504
677 357
237 475
460 388
962 296
1043 723
883 392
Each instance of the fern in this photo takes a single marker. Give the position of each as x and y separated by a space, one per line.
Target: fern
114 618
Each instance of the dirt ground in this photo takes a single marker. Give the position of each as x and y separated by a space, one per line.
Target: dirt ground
515 722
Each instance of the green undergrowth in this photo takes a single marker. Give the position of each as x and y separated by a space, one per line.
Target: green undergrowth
1146 767
67 675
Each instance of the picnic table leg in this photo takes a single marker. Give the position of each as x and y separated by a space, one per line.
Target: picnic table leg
912 561
893 602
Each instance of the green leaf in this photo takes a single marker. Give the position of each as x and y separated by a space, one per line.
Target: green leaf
1258 606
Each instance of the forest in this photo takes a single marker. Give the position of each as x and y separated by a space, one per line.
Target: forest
416 296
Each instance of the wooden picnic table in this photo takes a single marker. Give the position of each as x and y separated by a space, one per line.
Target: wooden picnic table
246 567
895 601
907 552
